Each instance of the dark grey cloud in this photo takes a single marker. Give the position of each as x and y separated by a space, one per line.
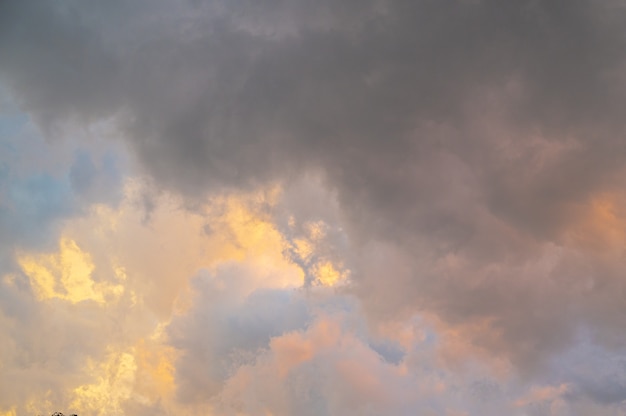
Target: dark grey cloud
469 138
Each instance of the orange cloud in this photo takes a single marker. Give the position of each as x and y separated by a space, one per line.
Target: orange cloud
113 385
539 394
602 226
293 349
155 370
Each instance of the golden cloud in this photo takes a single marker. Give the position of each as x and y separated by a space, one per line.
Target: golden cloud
66 275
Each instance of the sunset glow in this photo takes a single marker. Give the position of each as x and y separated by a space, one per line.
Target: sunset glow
330 208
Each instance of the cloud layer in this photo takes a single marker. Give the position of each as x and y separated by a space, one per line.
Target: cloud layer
354 207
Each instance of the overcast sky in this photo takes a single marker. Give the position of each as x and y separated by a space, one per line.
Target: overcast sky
348 207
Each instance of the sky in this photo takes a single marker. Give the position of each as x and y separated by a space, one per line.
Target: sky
351 208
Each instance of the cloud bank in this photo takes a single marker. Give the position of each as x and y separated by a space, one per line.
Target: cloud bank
355 207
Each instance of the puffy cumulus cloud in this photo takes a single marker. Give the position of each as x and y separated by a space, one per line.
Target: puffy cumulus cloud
224 330
100 324
331 367
459 160
243 325
175 241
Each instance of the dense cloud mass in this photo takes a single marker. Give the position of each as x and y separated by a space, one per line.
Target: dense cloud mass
368 207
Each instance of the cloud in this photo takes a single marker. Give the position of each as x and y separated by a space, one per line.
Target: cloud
71 269
36 186
96 183
220 333
45 339
461 161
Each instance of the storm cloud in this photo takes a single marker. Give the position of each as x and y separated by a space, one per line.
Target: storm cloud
467 156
